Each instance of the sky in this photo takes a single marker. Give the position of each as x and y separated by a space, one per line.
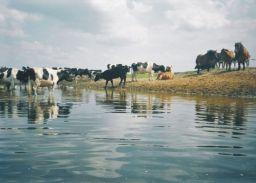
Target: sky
94 33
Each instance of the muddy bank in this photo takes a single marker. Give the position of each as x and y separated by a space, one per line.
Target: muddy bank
217 83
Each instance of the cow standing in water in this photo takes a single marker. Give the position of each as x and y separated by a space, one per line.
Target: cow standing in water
242 55
11 77
206 61
46 77
118 71
141 68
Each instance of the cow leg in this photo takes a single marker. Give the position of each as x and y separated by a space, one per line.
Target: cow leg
149 76
35 91
124 80
8 85
197 70
106 84
112 83
243 65
239 66
12 84
121 79
134 76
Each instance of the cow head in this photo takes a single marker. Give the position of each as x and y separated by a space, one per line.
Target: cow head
134 67
169 68
213 57
98 77
1 75
126 68
238 47
93 73
3 69
29 73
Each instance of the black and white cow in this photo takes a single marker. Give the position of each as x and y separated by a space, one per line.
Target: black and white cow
11 77
119 71
78 72
46 77
94 73
141 68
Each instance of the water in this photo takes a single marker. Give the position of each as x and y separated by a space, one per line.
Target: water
97 136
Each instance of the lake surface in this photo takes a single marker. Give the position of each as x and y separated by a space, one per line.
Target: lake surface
77 135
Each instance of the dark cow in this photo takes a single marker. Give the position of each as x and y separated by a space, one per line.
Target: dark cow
145 67
119 71
228 57
12 76
206 61
242 55
79 72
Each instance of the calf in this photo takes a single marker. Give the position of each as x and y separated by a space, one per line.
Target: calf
118 71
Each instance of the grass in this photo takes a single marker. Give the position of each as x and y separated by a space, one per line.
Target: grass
217 82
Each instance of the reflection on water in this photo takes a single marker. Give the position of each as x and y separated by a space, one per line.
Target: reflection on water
78 135
36 109
140 104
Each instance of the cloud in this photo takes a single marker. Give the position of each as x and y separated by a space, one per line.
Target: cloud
120 22
196 14
12 21
93 33
77 14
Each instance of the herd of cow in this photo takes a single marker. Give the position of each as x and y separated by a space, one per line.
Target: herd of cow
225 58
35 77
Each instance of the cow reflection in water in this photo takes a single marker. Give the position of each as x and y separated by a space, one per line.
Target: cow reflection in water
36 109
142 105
116 102
42 110
221 115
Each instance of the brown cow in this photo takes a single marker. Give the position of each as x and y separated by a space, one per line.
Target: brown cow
242 55
228 57
168 75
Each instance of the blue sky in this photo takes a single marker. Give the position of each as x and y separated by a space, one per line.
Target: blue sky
93 33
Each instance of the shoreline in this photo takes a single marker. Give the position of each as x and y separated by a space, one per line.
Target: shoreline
237 84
